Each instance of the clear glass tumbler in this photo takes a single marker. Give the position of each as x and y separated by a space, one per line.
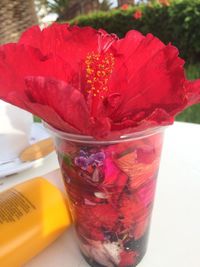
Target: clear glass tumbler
111 186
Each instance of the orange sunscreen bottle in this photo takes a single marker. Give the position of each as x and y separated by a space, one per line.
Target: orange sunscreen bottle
32 215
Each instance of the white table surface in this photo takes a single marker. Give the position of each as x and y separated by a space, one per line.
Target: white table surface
175 230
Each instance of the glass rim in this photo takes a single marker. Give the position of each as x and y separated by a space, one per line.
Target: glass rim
78 138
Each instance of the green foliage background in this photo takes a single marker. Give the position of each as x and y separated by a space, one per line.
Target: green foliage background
192 114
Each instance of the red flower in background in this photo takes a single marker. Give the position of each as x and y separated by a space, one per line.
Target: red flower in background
137 14
86 81
125 7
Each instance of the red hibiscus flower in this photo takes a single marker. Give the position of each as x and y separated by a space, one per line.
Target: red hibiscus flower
137 14
86 81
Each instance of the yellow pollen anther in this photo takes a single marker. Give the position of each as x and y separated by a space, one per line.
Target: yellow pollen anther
99 68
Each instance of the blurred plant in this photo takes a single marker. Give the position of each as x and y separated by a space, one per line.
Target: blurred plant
193 71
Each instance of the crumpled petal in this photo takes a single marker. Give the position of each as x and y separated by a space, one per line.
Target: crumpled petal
19 61
155 80
62 98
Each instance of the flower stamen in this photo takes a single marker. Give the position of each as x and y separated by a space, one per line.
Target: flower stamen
99 67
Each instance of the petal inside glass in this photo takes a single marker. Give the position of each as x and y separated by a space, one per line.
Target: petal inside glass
111 186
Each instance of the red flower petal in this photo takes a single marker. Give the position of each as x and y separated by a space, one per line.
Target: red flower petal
69 43
15 68
154 70
146 193
18 61
132 210
128 258
62 98
139 173
114 181
113 176
132 52
95 218
118 83
146 154
46 112
99 127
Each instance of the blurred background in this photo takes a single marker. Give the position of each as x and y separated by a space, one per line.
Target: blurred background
175 21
